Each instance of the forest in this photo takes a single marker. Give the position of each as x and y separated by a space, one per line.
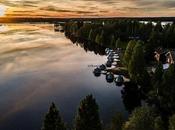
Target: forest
139 41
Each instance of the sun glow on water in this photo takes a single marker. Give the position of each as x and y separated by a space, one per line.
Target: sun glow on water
2 10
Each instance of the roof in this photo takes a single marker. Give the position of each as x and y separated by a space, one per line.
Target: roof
173 54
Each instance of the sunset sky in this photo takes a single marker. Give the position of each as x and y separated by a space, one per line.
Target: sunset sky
81 8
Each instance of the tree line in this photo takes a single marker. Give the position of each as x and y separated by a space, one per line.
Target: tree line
156 88
116 34
88 118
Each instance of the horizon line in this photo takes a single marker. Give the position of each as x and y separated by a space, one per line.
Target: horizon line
13 19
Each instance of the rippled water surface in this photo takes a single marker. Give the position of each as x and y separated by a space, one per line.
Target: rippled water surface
39 66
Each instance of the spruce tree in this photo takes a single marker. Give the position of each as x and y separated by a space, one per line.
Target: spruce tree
53 120
88 115
158 73
136 68
117 122
128 52
118 43
142 118
172 123
167 90
158 124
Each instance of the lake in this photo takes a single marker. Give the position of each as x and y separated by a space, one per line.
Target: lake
39 66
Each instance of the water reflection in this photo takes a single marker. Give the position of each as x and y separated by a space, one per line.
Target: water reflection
131 96
38 66
130 92
113 59
87 45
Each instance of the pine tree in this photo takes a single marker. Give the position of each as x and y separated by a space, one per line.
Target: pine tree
172 123
112 43
128 52
53 120
136 66
158 72
158 124
118 43
142 118
117 122
88 115
167 90
158 27
98 39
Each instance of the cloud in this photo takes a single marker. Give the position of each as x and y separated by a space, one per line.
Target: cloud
168 4
91 7
53 8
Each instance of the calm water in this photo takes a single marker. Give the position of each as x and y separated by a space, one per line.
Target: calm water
39 66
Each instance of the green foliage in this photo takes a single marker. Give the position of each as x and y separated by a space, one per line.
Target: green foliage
53 120
98 39
169 36
118 43
168 89
128 52
112 41
172 123
163 94
84 31
152 35
158 73
117 122
136 67
159 124
158 27
88 115
141 119
155 40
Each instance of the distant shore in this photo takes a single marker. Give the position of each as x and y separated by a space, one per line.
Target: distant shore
61 19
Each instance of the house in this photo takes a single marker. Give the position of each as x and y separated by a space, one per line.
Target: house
170 57
166 57
160 55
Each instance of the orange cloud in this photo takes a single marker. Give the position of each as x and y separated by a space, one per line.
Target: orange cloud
59 8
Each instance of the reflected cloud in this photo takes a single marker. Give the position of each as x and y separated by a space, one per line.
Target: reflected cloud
39 66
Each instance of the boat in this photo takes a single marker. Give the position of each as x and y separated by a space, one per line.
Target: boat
116 54
115 57
102 67
109 77
119 80
108 64
111 60
108 51
114 63
97 72
110 55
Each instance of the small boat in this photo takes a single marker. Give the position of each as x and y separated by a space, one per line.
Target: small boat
108 51
119 80
102 67
97 72
115 57
110 55
108 64
114 63
116 54
111 60
109 77
117 60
